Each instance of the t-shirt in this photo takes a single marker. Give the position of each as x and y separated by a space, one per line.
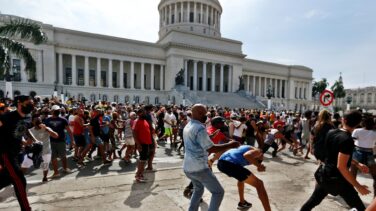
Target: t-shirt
96 126
58 125
106 128
168 118
238 131
250 132
78 127
278 123
14 128
337 141
272 135
128 128
142 129
71 122
236 155
364 138
43 137
220 137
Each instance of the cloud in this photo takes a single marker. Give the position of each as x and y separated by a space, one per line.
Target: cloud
311 14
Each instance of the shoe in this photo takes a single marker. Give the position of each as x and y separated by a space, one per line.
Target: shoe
54 176
187 193
88 158
150 170
81 163
119 153
45 179
67 171
244 205
75 159
97 157
274 154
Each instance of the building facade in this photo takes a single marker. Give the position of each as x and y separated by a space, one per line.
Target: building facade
364 98
100 67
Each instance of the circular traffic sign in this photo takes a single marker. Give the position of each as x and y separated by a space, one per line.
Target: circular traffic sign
326 97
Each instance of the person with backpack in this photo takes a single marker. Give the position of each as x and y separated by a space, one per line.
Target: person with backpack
333 176
319 131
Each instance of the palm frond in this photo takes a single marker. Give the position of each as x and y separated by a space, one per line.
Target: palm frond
25 29
20 50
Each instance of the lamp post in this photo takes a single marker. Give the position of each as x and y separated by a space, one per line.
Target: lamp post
8 82
168 100
348 101
62 96
269 94
183 99
55 89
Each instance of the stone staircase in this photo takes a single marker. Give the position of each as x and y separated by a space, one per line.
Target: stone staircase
232 100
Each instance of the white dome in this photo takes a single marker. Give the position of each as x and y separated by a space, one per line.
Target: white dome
199 16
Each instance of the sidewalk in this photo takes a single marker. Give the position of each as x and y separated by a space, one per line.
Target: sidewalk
288 180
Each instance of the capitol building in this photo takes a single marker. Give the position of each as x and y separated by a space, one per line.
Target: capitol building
213 69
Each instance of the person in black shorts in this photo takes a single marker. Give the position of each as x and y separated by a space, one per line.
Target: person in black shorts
232 163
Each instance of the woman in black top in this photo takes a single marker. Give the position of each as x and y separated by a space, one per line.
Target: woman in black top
336 178
319 132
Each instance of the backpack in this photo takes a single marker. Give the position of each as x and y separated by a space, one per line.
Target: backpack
319 146
34 152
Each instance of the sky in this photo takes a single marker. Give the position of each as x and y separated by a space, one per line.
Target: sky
329 36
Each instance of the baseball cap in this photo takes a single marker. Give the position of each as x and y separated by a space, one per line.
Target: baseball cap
55 108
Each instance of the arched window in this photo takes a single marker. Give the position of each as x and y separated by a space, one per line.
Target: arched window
156 101
116 98
173 100
147 100
16 93
80 96
126 99
104 98
32 94
92 97
136 99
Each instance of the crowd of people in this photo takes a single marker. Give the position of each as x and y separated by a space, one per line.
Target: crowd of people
36 132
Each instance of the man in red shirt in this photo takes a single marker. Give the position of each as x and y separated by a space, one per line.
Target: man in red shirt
142 137
278 123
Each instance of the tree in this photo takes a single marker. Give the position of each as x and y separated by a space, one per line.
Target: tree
319 86
338 89
19 29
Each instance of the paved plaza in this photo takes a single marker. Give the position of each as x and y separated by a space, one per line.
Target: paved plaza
288 180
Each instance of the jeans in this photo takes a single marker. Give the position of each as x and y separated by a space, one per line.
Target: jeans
347 192
201 179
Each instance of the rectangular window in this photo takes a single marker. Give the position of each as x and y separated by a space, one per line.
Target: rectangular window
68 76
209 21
81 79
114 79
199 18
16 69
92 78
296 92
172 19
103 78
191 17
180 15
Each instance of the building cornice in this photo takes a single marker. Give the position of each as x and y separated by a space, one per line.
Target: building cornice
113 52
300 67
202 49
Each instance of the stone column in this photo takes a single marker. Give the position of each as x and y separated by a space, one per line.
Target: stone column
194 75
207 14
165 16
109 79
142 76
74 71
265 86
259 91
181 12
86 73
229 81
152 78
121 77
132 75
204 80
40 67
23 72
201 15
194 12
213 78
275 93
188 10
161 77
248 84
221 78
212 16
99 72
61 71
176 13
254 86
280 89
186 73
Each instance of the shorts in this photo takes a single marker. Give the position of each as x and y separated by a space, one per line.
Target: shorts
80 140
364 157
58 150
168 131
98 141
233 170
27 162
144 154
129 141
105 138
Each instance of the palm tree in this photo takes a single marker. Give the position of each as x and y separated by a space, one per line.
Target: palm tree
20 29
319 86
